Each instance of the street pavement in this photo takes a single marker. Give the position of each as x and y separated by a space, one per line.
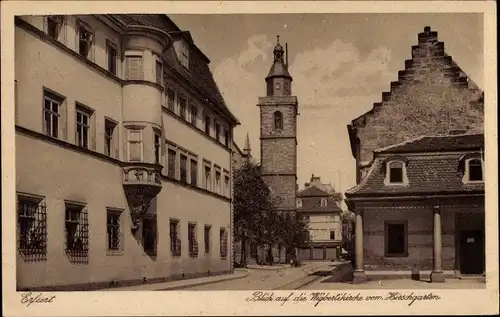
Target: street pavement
284 277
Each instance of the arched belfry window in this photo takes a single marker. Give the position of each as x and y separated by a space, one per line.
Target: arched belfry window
278 120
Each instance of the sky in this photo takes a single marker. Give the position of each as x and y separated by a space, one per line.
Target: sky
340 64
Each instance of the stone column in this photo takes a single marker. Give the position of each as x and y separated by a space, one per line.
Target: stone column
437 275
359 272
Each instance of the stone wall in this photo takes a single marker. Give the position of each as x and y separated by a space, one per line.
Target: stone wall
432 96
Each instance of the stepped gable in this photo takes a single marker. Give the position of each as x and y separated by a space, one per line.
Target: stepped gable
432 91
199 74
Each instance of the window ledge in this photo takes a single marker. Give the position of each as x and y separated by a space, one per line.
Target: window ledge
114 253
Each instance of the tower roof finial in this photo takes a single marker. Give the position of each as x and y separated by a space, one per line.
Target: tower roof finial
278 39
247 148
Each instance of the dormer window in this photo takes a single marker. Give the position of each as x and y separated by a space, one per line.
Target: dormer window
183 53
278 120
323 202
299 203
474 169
396 172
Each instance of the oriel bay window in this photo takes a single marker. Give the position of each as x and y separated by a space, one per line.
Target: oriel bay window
135 145
77 231
192 240
32 227
175 241
157 146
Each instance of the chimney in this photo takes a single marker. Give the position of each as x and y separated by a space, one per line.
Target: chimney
286 54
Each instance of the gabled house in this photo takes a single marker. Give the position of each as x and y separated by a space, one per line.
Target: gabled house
318 206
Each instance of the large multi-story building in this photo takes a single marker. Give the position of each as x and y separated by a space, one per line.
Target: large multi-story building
419 166
318 205
123 154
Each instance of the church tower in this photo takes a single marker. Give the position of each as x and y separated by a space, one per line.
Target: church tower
278 132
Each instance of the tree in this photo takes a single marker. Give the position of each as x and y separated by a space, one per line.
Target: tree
253 208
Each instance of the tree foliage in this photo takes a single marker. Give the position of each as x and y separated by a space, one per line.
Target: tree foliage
256 217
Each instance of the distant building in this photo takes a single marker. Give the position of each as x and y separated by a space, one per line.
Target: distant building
415 173
123 154
318 205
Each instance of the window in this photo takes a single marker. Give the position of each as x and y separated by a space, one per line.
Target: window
183 166
217 182
77 229
194 115
182 107
226 138
134 69
206 234
194 172
32 226
52 114
149 235
171 162
193 243
171 99
323 202
175 241
135 147
332 235
85 40
208 177
395 172
227 191
114 231
278 120
54 25
83 126
217 131
109 130
223 242
475 169
111 55
299 202
287 86
207 125
157 146
159 72
396 238
278 86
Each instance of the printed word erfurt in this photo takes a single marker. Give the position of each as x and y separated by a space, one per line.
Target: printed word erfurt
30 298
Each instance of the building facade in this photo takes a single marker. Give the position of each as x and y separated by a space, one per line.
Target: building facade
436 93
278 133
318 205
123 154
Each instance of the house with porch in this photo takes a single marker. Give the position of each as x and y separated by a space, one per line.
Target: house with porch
421 207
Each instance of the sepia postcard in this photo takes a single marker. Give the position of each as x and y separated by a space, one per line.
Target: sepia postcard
249 158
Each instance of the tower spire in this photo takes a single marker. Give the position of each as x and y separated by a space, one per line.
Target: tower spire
247 148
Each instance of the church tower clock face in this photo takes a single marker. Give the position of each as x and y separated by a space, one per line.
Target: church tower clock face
278 121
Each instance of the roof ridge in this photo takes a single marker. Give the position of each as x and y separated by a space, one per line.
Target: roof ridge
385 148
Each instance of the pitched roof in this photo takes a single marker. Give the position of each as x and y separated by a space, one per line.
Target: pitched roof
313 205
199 74
437 143
313 191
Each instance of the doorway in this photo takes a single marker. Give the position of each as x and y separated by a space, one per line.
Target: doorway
472 252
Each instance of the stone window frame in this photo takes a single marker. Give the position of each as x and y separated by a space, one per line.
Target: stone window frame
135 128
85 111
110 45
387 223
134 54
121 231
80 24
60 115
387 171
278 120
61 35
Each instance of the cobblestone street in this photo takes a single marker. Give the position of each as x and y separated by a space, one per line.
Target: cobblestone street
265 279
